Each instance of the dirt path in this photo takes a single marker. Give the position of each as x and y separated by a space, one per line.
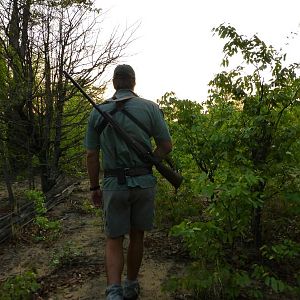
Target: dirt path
72 266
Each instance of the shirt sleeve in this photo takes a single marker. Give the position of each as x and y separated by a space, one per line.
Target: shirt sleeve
160 129
92 137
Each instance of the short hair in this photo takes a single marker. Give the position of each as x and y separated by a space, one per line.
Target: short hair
124 77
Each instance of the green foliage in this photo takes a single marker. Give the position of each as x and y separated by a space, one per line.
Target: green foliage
240 154
42 117
203 239
73 161
88 208
216 276
172 207
3 79
38 198
221 282
19 287
65 256
281 252
48 230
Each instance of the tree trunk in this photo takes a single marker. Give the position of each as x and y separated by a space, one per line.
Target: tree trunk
61 92
257 228
256 219
6 174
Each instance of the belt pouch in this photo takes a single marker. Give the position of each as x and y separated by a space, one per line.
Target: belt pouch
121 176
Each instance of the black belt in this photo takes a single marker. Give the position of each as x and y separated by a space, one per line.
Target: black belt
121 173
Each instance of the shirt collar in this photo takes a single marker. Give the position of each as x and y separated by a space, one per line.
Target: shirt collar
123 94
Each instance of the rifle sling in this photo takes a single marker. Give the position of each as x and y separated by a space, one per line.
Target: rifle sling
119 107
121 173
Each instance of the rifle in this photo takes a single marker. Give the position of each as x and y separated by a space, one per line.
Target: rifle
171 175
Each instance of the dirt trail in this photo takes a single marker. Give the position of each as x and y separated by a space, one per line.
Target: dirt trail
72 267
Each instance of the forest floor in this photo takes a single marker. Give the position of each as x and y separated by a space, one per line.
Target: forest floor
71 264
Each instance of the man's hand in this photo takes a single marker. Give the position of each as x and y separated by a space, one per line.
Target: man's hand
96 197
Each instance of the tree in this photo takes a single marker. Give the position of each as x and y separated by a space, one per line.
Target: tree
41 39
265 102
244 143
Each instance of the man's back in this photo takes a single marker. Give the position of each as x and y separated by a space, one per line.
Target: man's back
147 122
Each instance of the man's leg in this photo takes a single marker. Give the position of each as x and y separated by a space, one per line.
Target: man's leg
114 260
117 223
134 260
135 253
142 212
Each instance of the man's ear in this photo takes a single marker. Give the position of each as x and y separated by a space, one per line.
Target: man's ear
114 84
132 82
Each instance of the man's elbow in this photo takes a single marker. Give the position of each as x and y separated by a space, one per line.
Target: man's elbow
169 147
165 147
92 154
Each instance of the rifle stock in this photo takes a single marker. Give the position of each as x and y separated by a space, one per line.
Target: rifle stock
172 176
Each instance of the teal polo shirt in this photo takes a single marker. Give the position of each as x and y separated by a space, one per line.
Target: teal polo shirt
115 152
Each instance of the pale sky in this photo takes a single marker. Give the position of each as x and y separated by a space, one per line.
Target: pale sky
175 49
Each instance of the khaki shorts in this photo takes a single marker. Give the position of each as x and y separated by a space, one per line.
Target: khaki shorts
123 210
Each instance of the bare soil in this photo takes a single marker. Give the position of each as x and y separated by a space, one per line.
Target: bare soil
71 266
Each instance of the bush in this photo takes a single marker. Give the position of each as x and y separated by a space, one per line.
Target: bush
46 229
245 152
19 287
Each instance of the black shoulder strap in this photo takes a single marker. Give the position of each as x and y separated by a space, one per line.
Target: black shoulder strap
136 121
104 123
120 107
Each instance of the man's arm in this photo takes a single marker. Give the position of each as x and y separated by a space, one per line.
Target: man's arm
93 168
162 149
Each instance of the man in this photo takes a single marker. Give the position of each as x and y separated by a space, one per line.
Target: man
128 184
